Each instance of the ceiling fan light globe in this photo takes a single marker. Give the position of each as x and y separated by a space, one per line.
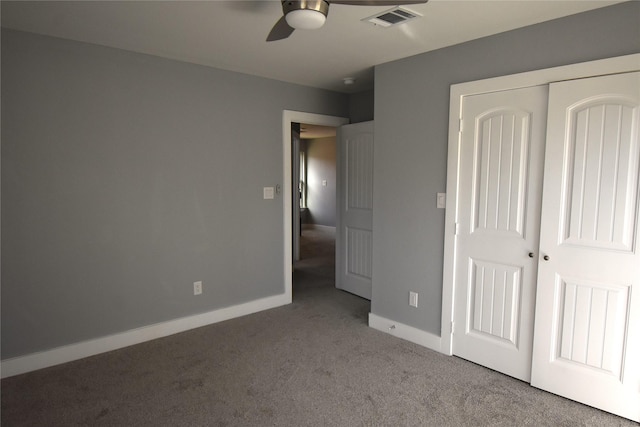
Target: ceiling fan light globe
305 19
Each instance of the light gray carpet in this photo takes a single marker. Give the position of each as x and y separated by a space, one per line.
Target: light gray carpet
312 363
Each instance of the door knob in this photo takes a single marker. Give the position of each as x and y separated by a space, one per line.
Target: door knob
530 254
546 257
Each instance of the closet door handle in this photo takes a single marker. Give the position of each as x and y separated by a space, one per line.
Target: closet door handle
546 257
531 254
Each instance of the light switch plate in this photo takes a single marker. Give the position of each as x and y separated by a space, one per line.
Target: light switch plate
268 192
413 299
442 200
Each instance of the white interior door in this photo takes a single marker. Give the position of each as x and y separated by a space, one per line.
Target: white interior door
354 232
500 174
587 329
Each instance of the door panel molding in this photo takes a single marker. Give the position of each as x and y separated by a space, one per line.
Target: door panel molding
495 289
358 252
502 144
601 219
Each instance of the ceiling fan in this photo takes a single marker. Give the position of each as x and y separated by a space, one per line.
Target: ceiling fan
311 14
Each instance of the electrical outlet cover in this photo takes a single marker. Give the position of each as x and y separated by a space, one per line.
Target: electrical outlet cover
197 288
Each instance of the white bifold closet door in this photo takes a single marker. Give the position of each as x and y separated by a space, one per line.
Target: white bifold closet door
587 320
563 241
500 184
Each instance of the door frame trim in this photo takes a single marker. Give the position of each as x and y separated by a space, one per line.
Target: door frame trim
595 68
288 117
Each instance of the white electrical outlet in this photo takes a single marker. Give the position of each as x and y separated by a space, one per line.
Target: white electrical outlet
197 288
413 299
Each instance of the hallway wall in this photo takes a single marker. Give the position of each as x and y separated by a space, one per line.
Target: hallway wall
321 166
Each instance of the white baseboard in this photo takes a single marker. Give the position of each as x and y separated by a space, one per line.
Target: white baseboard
68 353
405 332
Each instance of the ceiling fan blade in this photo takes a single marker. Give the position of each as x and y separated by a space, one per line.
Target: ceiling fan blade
377 2
280 31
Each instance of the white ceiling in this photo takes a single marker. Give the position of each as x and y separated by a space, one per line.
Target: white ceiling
231 34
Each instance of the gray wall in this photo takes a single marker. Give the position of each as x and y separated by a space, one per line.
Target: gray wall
127 177
361 106
411 142
321 165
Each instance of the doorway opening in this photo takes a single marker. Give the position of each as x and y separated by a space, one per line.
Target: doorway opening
291 196
314 159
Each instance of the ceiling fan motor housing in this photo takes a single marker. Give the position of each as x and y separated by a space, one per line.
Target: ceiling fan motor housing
321 6
305 14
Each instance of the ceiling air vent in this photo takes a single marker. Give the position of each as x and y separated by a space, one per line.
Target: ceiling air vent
391 17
